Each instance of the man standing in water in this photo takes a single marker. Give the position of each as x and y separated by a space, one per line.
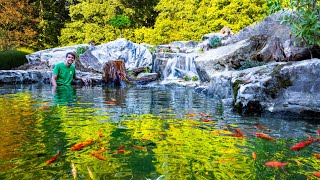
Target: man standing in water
64 72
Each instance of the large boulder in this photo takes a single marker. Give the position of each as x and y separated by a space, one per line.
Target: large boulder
134 55
280 45
276 88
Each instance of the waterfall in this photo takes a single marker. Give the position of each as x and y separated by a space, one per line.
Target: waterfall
180 66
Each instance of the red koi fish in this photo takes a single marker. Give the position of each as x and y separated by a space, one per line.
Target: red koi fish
264 136
98 156
319 132
53 159
316 174
79 146
275 164
100 133
316 155
301 145
254 156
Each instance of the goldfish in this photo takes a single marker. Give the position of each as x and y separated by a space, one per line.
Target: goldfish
254 156
264 136
79 146
301 145
100 133
98 156
53 159
316 155
275 164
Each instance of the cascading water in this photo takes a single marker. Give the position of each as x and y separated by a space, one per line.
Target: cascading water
180 67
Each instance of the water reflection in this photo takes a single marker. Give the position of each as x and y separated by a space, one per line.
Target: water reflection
64 95
172 133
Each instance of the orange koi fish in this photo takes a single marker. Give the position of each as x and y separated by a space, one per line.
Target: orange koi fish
301 145
139 147
264 136
238 133
206 120
79 146
111 103
261 127
53 159
102 150
119 151
317 174
98 156
316 155
190 115
275 164
205 115
100 133
254 156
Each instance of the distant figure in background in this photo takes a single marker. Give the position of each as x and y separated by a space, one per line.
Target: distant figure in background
64 72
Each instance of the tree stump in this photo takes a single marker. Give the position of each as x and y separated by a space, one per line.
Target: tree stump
114 72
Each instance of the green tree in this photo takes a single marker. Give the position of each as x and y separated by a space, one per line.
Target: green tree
90 21
53 15
121 22
141 12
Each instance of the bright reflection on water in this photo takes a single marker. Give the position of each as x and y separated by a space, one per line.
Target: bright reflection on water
143 133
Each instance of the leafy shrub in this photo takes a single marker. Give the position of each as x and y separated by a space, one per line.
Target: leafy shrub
12 58
249 64
81 50
186 78
214 41
194 78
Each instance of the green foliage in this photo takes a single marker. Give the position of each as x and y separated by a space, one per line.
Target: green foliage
303 19
81 50
12 58
214 41
120 21
186 78
195 78
249 64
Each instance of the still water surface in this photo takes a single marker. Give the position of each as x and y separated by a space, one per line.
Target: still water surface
143 133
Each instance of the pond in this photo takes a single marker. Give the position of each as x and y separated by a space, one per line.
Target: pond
145 133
